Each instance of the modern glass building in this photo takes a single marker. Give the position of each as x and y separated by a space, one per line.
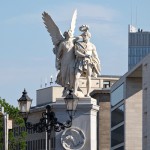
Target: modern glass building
138 45
130 109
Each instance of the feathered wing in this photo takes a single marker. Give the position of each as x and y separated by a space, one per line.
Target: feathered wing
73 22
52 28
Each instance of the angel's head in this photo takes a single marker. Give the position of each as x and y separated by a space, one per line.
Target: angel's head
67 34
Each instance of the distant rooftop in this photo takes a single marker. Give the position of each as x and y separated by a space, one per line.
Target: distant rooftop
132 29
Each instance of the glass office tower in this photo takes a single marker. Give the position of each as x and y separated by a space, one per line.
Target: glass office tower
138 45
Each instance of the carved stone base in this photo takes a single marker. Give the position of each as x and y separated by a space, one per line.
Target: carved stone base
83 133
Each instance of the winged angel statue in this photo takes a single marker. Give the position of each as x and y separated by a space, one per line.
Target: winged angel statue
64 50
74 57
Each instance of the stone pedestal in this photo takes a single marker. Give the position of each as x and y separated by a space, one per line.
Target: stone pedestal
83 133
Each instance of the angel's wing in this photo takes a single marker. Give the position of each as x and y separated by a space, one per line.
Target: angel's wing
73 22
52 28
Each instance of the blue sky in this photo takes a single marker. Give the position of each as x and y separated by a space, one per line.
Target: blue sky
26 56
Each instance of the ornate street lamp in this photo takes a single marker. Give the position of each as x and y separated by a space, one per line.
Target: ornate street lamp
48 122
24 105
71 104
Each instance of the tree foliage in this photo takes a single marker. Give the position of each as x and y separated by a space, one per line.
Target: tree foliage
17 120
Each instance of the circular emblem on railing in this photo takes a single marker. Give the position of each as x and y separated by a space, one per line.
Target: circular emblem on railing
73 139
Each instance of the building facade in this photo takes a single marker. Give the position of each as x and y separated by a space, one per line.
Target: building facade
100 91
138 45
130 109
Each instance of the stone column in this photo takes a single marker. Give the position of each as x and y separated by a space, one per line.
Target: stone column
83 133
104 117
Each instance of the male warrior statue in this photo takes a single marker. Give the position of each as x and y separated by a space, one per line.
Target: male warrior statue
87 63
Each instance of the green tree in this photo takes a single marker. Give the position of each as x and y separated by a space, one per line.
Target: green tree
17 120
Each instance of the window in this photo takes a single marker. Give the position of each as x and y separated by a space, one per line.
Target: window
53 142
39 144
28 145
44 146
117 95
106 84
117 116
117 136
34 145
31 145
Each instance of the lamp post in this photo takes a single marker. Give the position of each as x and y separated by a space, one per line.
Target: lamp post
24 105
5 125
49 121
71 104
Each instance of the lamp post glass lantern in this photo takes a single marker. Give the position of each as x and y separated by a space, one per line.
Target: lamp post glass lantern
24 104
71 104
48 122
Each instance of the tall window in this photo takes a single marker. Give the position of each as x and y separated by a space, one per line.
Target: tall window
117 116
117 136
117 95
